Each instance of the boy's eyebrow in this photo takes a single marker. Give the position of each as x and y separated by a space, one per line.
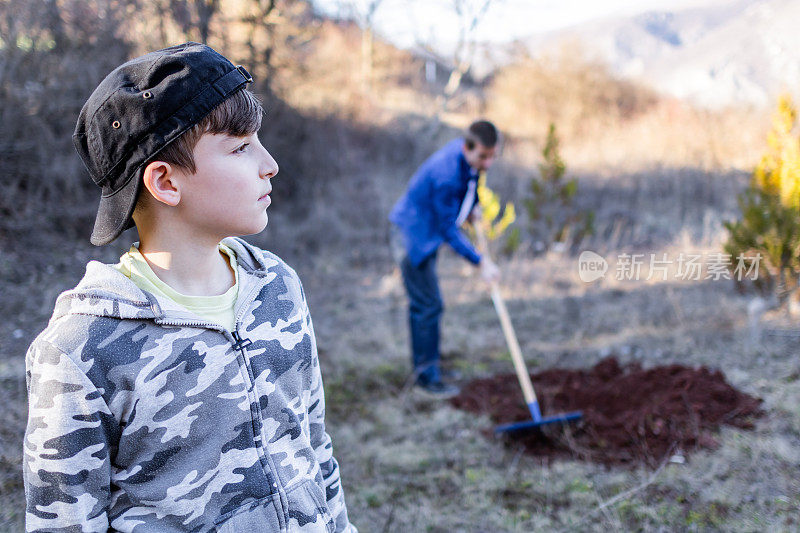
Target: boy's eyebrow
232 139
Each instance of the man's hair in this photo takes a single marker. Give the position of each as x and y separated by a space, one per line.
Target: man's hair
238 116
481 132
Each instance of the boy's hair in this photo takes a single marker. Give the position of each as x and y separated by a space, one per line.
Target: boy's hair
481 132
238 116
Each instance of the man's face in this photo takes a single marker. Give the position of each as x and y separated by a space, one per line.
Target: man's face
480 157
228 194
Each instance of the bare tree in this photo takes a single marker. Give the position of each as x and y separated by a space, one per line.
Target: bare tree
194 17
205 11
163 14
261 18
469 15
52 55
364 15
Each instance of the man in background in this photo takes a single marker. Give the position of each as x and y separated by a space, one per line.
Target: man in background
441 196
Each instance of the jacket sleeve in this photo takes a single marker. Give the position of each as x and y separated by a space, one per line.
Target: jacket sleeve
321 441
66 465
447 204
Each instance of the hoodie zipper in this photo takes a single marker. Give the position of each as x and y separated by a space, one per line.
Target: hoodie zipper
267 463
239 345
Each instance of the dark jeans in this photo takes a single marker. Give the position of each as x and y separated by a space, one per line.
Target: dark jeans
424 313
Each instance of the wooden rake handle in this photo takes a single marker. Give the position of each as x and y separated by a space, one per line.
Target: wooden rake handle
508 331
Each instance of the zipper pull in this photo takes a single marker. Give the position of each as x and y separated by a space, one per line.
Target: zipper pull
241 343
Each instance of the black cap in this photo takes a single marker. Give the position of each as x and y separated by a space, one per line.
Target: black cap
136 111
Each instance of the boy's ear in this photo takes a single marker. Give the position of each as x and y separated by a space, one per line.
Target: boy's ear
160 181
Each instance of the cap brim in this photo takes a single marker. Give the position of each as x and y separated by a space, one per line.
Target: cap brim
114 213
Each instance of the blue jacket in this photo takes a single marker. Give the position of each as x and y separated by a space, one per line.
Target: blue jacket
426 214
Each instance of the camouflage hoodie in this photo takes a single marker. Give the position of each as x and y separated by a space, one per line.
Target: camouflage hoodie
143 417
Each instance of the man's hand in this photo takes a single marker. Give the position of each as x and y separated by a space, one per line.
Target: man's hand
489 271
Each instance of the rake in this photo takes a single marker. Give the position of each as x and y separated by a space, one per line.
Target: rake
537 420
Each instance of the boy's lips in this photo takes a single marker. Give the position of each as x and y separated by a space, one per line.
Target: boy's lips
265 199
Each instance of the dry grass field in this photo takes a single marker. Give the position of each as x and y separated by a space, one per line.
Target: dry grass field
412 465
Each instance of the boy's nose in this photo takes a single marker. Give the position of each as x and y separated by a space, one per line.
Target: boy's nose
269 167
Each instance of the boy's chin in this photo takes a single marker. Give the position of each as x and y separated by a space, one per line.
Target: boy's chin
250 227
255 228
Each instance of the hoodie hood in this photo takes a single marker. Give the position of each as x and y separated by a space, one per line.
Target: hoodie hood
104 291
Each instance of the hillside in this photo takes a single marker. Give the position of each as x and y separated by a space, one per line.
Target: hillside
729 51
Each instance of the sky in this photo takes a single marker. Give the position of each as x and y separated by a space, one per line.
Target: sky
434 22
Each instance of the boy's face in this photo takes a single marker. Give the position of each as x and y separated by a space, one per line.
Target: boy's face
228 194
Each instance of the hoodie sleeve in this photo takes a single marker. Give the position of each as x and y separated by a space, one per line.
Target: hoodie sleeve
66 465
447 204
321 441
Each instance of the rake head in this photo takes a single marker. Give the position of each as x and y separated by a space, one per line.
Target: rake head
537 420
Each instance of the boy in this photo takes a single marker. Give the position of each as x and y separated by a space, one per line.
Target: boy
440 197
179 390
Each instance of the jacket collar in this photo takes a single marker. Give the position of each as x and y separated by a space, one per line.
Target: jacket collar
106 292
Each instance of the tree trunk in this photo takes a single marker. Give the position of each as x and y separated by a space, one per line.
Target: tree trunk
366 59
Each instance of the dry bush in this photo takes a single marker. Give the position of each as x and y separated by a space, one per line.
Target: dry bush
609 122
674 133
311 62
52 54
327 75
577 94
263 36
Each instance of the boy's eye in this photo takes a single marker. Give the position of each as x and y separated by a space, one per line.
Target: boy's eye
241 148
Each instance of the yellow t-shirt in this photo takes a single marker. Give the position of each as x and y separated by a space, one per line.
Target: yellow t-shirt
216 309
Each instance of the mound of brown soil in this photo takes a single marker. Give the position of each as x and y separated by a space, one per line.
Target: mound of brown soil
630 415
